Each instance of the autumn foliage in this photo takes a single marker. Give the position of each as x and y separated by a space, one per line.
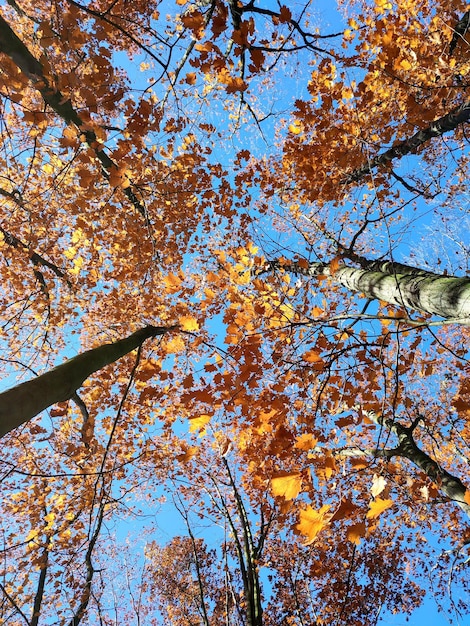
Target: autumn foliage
250 219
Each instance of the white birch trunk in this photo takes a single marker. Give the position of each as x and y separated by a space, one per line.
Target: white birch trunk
403 285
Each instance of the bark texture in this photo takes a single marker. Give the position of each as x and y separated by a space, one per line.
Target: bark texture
23 402
403 285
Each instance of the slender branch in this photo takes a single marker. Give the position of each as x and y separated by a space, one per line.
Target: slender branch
36 258
253 591
38 598
184 514
238 546
80 612
445 124
12 601
16 50
450 485
460 30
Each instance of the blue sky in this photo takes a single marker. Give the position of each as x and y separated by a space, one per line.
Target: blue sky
280 99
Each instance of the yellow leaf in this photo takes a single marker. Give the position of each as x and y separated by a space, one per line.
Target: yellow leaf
312 522
32 534
77 266
295 128
197 423
287 311
405 65
77 235
70 252
286 484
174 345
189 323
378 506
355 532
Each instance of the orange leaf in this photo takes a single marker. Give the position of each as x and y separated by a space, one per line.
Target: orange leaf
172 282
194 21
187 455
345 510
306 442
189 323
58 411
236 84
467 496
147 370
335 264
286 484
312 357
355 532
378 506
312 522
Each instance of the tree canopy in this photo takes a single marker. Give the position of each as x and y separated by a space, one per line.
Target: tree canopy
235 283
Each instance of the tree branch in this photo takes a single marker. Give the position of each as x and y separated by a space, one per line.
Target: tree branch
23 402
450 485
16 50
445 124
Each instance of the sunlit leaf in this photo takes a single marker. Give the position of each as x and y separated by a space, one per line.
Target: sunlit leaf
295 128
378 506
187 455
199 422
188 323
313 522
286 484
378 485
306 442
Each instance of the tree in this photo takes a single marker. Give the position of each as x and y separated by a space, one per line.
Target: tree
236 269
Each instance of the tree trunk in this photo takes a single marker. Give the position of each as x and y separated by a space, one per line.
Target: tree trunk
23 402
450 485
396 283
17 51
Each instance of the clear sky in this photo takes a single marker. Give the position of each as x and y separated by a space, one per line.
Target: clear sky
164 518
